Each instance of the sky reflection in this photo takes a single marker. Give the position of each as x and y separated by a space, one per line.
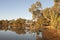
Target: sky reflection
9 35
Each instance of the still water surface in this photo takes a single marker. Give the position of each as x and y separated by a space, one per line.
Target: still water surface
9 35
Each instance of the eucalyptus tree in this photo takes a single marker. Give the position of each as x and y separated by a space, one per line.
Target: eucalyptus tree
0 24
37 14
4 24
21 23
35 9
55 13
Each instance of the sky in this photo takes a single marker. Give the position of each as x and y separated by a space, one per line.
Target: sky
13 9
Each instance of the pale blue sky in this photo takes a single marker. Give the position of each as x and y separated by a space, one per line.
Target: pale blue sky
13 9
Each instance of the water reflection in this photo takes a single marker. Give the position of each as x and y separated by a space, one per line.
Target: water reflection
9 35
18 34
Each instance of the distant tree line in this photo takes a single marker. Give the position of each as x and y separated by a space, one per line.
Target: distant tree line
48 17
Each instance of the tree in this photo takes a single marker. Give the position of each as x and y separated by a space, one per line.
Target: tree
21 23
0 24
35 9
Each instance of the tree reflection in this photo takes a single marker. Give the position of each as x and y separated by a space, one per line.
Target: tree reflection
46 21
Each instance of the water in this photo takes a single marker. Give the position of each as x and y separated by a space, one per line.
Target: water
18 34
9 35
